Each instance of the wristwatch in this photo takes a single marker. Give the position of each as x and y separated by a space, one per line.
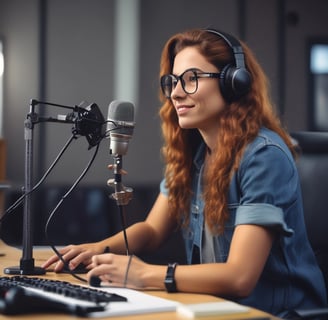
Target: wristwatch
169 282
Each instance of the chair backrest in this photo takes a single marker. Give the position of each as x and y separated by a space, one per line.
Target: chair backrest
313 170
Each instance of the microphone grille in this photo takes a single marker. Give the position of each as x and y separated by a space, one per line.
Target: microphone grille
121 111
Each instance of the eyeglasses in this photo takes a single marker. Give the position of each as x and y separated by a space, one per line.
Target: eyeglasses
188 79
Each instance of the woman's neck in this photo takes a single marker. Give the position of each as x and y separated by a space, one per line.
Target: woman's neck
210 138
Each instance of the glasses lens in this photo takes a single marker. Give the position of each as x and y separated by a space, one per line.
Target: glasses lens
167 84
189 81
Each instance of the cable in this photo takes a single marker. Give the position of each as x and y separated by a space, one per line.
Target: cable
58 205
122 215
20 199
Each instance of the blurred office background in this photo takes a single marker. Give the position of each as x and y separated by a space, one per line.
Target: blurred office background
96 51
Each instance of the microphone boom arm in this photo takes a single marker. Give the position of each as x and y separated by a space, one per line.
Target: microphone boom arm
93 134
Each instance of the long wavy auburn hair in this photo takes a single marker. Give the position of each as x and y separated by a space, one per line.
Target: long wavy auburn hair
239 124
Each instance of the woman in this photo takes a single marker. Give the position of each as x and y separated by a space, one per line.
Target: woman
230 184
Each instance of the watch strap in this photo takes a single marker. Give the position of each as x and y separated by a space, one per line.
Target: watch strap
169 282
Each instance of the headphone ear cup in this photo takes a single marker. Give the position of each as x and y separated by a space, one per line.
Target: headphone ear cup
234 82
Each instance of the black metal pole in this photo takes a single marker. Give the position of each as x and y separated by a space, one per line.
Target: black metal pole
27 266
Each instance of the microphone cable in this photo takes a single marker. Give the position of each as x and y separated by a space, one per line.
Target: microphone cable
20 199
77 181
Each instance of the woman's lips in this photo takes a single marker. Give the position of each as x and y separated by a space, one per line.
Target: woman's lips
182 109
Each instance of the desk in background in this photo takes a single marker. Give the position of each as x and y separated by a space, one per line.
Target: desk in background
12 256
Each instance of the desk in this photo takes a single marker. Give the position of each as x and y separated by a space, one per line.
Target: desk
12 256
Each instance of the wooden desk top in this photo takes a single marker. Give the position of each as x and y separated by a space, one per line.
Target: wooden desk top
10 256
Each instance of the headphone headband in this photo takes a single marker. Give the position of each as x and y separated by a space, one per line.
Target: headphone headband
235 81
234 44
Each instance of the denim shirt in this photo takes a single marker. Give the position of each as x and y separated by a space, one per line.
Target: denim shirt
264 191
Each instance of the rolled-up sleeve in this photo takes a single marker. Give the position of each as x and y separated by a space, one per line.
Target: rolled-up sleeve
263 214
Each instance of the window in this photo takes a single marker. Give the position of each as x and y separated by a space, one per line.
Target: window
318 61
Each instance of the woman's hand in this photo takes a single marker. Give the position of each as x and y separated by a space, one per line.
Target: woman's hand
75 255
120 271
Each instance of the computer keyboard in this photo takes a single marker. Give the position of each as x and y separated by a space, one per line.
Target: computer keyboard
22 294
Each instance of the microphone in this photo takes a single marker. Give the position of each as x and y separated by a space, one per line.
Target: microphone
120 125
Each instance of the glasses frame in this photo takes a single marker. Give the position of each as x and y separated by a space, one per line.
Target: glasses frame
197 73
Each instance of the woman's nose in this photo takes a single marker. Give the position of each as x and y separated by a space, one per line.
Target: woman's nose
178 91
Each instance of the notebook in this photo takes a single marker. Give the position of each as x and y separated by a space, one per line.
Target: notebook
210 309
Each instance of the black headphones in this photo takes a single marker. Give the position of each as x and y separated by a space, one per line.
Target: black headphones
235 81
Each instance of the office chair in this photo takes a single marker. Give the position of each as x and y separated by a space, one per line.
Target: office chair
313 170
